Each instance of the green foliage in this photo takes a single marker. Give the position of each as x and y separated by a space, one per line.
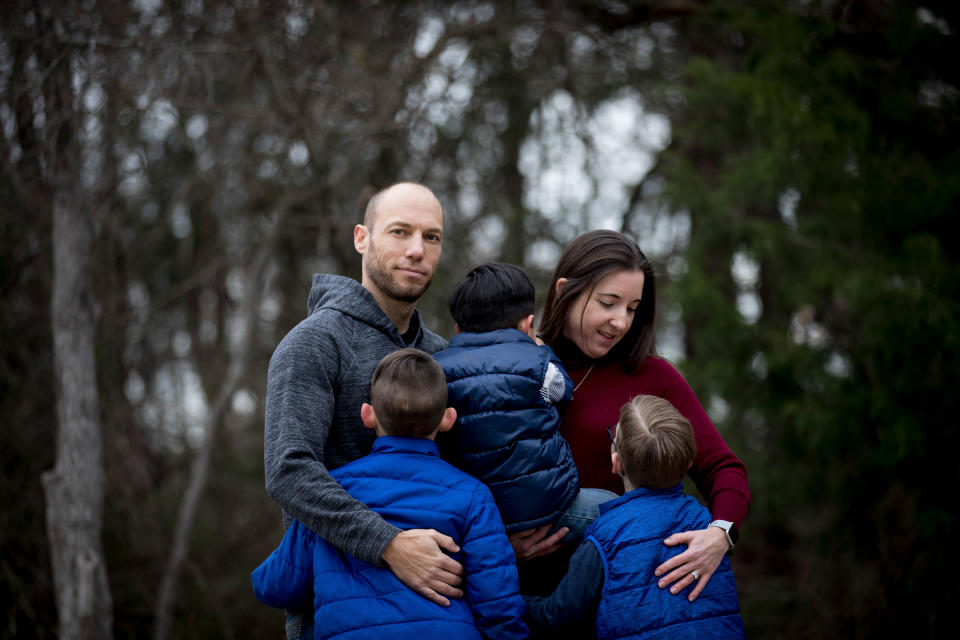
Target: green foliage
813 146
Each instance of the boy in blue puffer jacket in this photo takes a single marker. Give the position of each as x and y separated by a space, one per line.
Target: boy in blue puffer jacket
610 576
506 388
404 480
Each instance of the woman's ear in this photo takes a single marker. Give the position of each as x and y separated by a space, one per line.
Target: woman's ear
561 283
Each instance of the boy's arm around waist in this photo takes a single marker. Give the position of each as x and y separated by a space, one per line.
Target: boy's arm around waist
573 604
299 412
493 587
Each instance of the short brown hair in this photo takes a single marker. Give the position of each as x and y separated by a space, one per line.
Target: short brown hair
408 391
655 443
585 262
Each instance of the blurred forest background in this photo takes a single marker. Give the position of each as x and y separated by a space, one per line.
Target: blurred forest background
174 172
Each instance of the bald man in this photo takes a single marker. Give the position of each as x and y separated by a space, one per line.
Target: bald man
319 377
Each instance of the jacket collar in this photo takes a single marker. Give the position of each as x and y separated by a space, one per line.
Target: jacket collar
500 336
400 444
640 493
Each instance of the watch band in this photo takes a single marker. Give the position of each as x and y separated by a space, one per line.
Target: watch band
729 530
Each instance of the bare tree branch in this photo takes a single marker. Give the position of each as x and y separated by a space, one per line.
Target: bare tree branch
199 471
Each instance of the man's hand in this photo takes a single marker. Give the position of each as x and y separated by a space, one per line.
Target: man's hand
705 550
417 559
533 542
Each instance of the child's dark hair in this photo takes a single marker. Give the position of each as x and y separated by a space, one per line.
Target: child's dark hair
408 391
655 442
492 296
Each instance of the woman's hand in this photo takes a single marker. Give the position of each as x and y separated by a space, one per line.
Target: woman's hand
705 550
534 542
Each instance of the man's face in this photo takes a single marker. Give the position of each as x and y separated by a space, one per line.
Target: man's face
401 248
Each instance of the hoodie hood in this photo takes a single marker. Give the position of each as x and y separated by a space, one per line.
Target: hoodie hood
347 296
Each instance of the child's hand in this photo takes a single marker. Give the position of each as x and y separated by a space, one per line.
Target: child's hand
416 557
533 543
705 550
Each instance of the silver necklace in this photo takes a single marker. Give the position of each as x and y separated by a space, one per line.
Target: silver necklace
583 379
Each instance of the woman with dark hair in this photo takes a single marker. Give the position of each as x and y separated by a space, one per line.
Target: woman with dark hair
599 317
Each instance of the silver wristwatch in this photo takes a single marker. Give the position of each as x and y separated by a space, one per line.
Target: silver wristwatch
730 530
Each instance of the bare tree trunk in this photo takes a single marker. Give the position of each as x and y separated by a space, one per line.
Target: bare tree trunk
199 470
74 488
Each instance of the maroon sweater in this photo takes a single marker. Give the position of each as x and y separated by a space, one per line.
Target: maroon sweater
719 475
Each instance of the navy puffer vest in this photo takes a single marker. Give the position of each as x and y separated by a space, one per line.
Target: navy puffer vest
507 434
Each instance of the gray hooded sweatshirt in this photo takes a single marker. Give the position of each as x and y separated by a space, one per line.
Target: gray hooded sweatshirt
319 376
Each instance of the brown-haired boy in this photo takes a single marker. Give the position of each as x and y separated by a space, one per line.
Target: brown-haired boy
611 575
405 481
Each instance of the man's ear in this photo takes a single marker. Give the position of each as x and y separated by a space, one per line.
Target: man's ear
561 283
449 417
361 236
368 416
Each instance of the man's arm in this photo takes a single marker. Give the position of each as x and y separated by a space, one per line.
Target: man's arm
299 410
573 605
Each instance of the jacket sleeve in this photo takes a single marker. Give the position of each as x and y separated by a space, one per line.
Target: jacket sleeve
493 587
299 411
557 385
285 579
720 476
572 607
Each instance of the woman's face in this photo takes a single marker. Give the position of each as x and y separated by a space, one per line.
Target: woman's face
597 320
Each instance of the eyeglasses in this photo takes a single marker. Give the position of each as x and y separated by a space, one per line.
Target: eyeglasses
611 433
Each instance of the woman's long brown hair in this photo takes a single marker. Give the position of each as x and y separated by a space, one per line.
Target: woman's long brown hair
584 263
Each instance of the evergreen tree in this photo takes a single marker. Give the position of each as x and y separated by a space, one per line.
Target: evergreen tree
819 161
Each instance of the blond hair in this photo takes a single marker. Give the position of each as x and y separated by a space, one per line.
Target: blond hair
655 443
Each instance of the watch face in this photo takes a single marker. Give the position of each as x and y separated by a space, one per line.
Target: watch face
734 534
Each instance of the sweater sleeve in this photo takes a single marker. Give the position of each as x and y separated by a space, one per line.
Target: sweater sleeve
493 587
285 579
719 475
573 605
299 410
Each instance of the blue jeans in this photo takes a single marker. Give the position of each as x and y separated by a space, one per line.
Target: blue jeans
584 509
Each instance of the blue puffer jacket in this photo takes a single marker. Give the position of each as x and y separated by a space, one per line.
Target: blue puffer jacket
629 535
405 481
507 434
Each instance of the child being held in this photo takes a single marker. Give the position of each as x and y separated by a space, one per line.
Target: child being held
611 575
506 388
404 480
